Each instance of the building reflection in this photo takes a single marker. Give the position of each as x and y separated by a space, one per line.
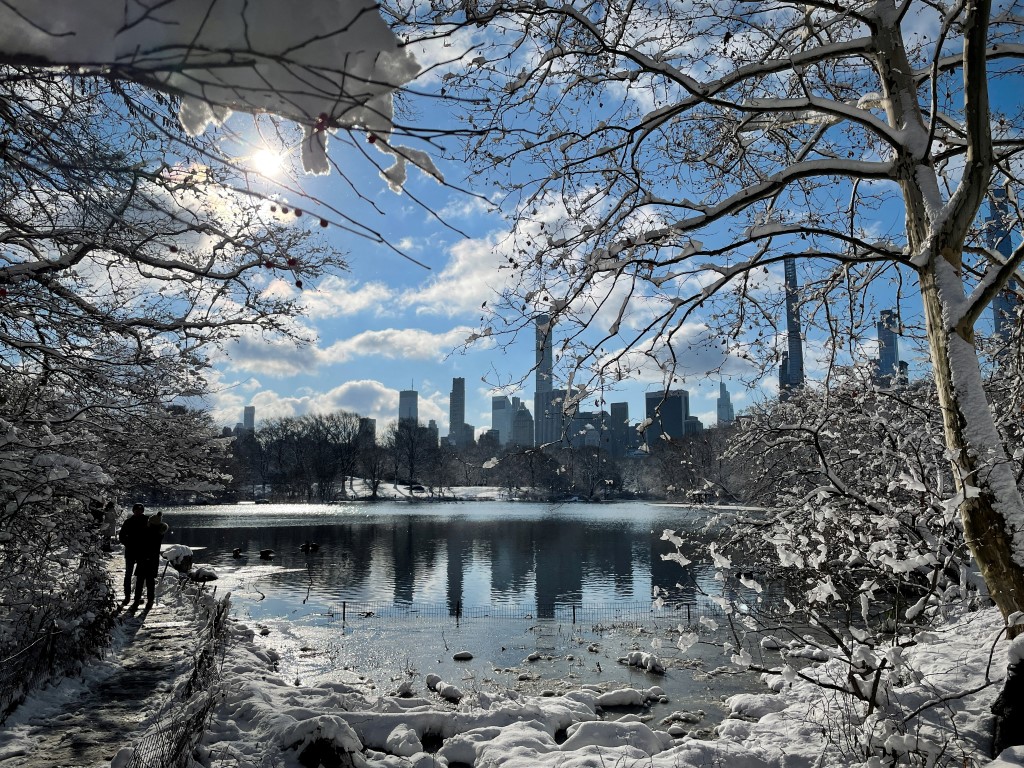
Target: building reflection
537 562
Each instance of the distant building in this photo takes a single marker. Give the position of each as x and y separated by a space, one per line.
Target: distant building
501 418
997 231
726 415
545 357
249 418
887 366
669 413
433 434
549 416
367 433
522 428
460 434
549 420
622 437
408 406
791 372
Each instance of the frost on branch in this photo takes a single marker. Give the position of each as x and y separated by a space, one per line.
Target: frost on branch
334 65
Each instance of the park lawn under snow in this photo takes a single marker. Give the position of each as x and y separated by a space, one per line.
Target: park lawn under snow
951 678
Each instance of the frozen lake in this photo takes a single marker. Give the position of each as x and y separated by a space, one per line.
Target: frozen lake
394 589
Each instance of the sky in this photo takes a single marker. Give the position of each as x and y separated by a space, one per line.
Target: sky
397 321
391 324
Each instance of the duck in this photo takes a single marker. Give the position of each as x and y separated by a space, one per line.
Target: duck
236 552
266 554
310 546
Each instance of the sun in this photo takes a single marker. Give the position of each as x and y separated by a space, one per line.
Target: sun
266 162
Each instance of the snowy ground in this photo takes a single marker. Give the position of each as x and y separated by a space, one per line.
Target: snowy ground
425 720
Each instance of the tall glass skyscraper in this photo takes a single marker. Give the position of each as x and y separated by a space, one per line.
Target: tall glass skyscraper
997 234
791 372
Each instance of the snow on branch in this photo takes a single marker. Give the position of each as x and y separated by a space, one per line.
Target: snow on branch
333 64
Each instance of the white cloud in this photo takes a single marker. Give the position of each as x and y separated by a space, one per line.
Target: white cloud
469 278
396 343
337 296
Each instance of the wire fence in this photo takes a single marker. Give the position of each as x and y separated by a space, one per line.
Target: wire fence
171 742
636 613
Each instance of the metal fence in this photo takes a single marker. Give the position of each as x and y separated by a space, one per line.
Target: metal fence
637 613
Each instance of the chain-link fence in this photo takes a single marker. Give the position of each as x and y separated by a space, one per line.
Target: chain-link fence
636 613
171 742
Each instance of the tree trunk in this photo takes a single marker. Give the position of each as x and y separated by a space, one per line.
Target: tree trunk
991 506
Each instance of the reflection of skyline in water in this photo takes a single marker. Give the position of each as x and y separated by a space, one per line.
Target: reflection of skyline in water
468 554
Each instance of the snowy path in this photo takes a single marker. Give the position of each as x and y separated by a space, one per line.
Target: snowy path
83 722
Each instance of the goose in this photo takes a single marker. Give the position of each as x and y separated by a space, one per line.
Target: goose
266 554
236 552
310 546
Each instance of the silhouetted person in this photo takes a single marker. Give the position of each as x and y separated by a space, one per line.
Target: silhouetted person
149 559
133 536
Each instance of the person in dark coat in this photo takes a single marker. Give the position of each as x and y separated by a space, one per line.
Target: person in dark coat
133 536
149 559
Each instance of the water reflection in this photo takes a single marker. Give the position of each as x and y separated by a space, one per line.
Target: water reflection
461 555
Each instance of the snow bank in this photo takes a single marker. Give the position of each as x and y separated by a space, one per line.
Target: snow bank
802 725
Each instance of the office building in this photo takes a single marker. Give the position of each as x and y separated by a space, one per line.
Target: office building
791 372
522 427
887 367
249 418
501 418
726 415
622 437
408 406
548 418
998 238
670 417
460 434
544 351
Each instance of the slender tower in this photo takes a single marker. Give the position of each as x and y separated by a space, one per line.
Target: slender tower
998 236
792 374
545 358
888 349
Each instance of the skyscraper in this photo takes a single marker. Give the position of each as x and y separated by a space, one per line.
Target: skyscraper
548 418
888 349
726 415
501 418
522 427
791 372
408 406
249 418
545 356
458 433
620 432
997 234
668 412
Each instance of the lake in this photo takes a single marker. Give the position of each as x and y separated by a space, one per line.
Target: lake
393 589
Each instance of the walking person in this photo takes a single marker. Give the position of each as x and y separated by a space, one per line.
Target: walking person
149 559
132 536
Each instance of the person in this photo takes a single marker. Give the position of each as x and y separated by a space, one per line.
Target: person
149 559
132 536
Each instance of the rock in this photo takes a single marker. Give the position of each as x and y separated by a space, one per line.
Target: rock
432 680
463 656
404 741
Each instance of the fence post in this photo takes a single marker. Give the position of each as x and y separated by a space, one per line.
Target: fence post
574 613
688 614
344 605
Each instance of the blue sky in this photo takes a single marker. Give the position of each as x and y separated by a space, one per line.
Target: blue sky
390 324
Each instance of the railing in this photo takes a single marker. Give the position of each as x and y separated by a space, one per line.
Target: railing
637 613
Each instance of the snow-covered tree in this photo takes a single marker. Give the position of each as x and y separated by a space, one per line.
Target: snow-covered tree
127 250
662 159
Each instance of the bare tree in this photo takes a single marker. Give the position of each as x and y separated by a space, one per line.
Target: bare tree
663 158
